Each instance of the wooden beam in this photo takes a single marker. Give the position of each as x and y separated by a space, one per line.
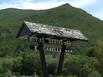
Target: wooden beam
42 57
61 59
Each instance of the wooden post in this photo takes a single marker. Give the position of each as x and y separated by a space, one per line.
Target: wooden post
61 59
42 57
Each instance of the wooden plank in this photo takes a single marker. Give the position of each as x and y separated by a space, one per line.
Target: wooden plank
47 31
61 59
42 57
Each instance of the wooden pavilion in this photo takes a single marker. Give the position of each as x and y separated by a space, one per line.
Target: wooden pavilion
44 32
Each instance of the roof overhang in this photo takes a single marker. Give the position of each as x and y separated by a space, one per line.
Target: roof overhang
45 31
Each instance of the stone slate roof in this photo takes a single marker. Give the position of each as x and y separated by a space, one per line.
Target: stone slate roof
46 31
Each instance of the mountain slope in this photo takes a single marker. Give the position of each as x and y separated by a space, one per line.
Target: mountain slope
10 22
11 18
64 16
71 17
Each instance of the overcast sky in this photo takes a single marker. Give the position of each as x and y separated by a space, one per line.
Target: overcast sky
94 7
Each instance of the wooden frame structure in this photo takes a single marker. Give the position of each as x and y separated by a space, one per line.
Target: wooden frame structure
41 31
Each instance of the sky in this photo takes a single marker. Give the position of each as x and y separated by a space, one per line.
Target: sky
94 7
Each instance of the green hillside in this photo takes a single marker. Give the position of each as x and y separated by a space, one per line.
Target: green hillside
64 16
10 22
12 18
17 57
70 17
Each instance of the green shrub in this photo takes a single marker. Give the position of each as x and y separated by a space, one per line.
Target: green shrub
51 63
94 74
80 65
30 64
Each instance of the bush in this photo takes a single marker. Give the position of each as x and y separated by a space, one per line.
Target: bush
80 65
97 50
94 74
6 64
91 52
30 63
51 68
51 63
